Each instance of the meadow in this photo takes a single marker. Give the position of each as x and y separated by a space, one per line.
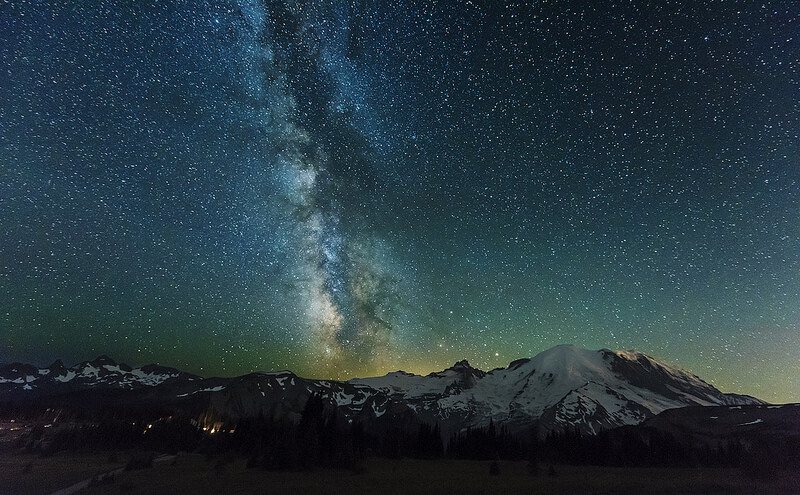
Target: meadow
192 474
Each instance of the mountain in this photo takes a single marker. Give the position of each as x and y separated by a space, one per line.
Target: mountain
563 387
102 373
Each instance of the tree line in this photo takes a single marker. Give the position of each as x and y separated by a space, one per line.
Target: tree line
324 438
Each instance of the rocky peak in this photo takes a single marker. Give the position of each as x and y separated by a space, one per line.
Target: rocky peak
466 375
102 360
57 365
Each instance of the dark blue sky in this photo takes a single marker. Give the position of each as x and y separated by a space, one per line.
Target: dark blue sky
350 188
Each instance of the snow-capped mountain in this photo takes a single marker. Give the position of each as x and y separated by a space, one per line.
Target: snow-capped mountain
103 372
564 387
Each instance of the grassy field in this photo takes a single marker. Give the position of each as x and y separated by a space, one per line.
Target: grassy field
194 474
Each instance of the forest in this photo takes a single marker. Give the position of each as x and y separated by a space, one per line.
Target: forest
323 438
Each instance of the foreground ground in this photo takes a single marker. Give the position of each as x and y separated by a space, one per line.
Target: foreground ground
28 474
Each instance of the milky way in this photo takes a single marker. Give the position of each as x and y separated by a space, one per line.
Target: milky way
350 188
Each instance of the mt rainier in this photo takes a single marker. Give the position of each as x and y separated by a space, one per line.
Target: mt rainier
565 386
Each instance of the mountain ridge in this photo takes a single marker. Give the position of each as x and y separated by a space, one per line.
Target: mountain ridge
562 387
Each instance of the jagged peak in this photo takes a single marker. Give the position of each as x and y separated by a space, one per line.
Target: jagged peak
462 364
401 372
459 367
57 364
462 369
101 360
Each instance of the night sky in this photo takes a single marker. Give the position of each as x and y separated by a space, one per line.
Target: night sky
348 188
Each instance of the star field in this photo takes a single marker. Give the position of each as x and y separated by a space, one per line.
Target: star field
349 188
